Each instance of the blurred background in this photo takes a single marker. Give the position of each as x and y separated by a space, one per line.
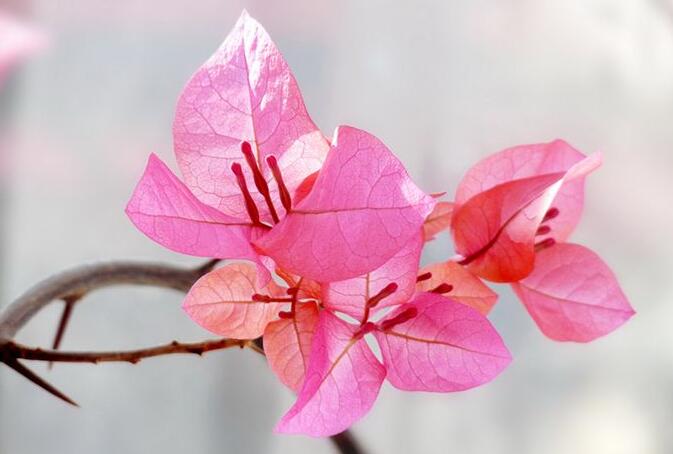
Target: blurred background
443 83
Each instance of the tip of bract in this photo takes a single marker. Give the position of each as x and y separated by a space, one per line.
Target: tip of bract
246 19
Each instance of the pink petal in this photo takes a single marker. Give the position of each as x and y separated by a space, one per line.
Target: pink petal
439 220
350 296
17 41
572 295
362 210
244 92
221 302
447 347
495 230
342 382
167 212
526 161
287 344
467 288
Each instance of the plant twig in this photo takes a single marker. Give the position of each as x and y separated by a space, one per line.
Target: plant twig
19 351
87 278
345 443
72 285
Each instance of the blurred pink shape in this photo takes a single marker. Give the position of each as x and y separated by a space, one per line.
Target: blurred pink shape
17 42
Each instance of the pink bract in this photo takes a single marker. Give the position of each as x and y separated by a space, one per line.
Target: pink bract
362 209
527 161
342 382
572 295
245 92
221 301
447 347
287 345
496 230
165 210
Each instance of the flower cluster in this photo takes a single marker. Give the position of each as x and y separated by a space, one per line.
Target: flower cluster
327 236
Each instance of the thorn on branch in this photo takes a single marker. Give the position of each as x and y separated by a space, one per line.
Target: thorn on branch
36 379
69 304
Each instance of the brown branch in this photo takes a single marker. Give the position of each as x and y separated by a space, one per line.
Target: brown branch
72 285
19 351
346 443
84 279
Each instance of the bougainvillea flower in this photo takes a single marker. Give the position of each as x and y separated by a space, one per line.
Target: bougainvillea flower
261 180
230 302
517 208
428 342
501 202
17 41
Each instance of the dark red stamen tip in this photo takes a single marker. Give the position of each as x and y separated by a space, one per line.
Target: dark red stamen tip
442 288
543 230
250 206
285 198
551 214
549 242
364 329
258 178
292 291
286 315
400 318
384 293
424 277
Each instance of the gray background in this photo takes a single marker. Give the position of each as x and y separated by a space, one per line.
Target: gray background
442 83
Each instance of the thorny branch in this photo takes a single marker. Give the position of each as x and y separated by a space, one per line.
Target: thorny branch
71 286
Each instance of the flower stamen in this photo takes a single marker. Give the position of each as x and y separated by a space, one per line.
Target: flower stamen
368 327
400 318
258 298
250 206
543 230
545 244
442 288
376 299
258 178
551 214
424 277
285 198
